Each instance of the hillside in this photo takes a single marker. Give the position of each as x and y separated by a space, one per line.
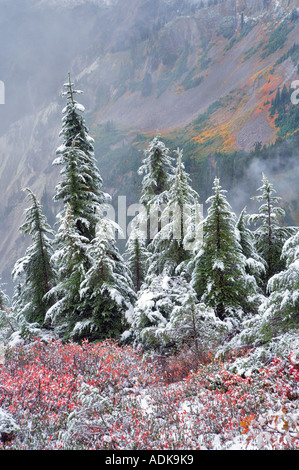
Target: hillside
200 73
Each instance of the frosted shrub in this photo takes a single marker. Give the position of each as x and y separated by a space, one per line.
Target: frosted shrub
168 315
102 396
86 425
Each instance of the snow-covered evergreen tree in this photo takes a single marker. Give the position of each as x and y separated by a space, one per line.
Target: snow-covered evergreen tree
34 273
137 257
72 262
157 174
281 310
152 311
219 277
168 247
82 198
255 264
192 323
270 235
157 170
82 182
4 299
94 289
167 315
7 324
107 292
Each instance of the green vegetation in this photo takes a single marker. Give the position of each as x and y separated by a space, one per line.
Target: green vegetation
293 53
204 117
287 119
192 79
245 29
175 72
227 26
252 50
276 39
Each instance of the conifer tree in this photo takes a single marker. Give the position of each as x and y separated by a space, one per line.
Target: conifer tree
137 257
34 272
269 236
91 273
107 292
281 309
167 315
255 264
82 182
82 199
168 246
158 175
219 276
152 312
72 262
4 299
192 323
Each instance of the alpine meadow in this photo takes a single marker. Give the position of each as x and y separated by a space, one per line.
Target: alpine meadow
149 244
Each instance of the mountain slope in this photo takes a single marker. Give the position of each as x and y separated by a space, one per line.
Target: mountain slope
201 73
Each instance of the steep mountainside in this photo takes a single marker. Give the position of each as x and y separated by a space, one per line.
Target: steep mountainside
202 73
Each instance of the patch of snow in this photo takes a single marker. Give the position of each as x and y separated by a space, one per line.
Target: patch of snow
218 264
92 68
2 353
79 107
15 339
116 296
7 423
165 282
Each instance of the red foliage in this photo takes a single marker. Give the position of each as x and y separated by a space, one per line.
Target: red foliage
40 382
103 396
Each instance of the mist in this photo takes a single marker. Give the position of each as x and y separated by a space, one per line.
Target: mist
110 49
282 171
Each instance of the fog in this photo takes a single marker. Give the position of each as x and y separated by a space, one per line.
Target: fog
38 47
41 41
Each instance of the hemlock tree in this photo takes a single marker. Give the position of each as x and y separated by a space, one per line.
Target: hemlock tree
137 256
169 248
72 262
82 199
158 175
84 301
255 264
219 277
82 182
192 323
270 236
167 315
7 322
34 272
107 291
152 312
281 310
